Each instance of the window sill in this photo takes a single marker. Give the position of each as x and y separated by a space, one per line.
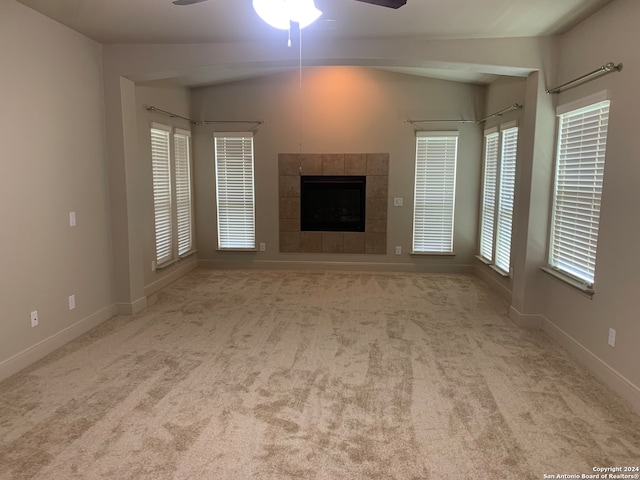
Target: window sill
432 254
493 267
173 261
247 251
483 260
575 284
188 254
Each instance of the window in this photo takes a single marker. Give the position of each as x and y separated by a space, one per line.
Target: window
489 186
172 199
499 179
434 198
235 190
579 172
184 210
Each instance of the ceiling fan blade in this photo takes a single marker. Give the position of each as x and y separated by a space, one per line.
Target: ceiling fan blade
187 2
385 3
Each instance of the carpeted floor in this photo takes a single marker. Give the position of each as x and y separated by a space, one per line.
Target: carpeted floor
316 375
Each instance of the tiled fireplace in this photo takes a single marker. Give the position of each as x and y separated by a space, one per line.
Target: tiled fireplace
373 166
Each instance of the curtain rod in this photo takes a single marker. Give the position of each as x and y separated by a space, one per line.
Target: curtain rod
603 70
203 122
413 122
515 106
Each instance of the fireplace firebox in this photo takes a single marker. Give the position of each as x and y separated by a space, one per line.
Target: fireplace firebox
332 203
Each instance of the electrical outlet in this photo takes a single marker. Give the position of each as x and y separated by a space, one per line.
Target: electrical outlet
34 318
612 337
263 247
72 302
398 250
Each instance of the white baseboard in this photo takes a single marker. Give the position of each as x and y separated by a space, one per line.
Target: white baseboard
131 308
525 320
179 269
345 266
34 353
617 382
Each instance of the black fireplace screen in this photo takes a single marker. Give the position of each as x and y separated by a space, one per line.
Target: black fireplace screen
332 203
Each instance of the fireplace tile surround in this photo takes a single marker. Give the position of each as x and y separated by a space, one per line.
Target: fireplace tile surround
375 166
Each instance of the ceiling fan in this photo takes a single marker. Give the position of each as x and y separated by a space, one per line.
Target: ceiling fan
381 3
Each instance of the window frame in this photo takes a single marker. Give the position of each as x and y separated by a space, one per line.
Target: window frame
446 167
498 227
172 250
580 280
244 233
491 153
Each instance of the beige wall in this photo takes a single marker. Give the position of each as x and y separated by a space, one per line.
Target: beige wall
611 35
125 64
344 110
171 98
52 137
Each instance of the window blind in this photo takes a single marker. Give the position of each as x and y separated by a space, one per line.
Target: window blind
505 198
161 168
235 190
490 183
580 158
183 191
434 198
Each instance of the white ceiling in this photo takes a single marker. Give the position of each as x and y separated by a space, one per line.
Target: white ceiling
223 21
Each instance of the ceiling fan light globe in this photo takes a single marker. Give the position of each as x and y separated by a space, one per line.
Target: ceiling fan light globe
280 13
304 12
273 12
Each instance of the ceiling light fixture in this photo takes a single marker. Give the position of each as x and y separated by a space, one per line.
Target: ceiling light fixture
280 13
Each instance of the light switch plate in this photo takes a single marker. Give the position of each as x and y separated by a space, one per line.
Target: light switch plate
398 201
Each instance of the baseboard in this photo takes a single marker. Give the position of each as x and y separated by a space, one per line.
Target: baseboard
34 353
345 266
177 271
617 382
131 308
489 277
525 320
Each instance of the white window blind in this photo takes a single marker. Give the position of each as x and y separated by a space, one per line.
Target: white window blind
489 187
235 190
434 198
161 167
509 150
184 208
580 158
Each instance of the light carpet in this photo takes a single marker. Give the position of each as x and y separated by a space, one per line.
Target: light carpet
313 375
